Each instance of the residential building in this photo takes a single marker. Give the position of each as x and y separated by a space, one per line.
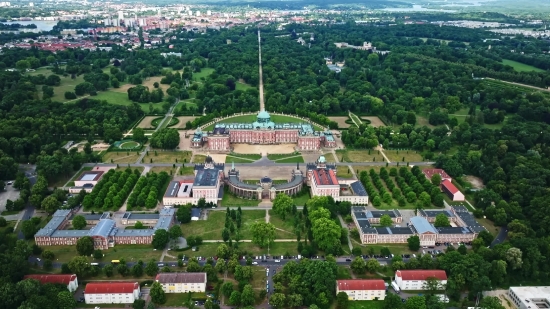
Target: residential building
362 289
182 282
452 192
71 281
111 292
416 279
530 297
429 172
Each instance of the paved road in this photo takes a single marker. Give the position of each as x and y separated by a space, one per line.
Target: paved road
501 237
261 78
30 173
264 163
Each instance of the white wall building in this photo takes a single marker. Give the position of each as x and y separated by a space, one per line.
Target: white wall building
359 289
533 297
416 279
111 292
182 282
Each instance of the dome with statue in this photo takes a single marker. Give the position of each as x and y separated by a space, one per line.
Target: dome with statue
263 117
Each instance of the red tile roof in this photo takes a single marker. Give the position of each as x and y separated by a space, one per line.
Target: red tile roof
361 285
62 279
111 287
421 274
325 177
449 186
429 172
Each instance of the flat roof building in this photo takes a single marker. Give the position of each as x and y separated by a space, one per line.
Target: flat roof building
530 297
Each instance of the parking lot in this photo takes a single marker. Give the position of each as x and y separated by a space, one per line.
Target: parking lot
10 193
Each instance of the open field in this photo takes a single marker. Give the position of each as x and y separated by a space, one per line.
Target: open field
182 121
231 200
186 170
131 253
284 229
168 169
67 84
366 304
235 159
281 156
198 159
210 229
521 67
147 122
302 198
168 156
341 121
203 73
343 172
359 156
242 86
292 159
120 157
374 121
403 155
249 217
329 157
175 299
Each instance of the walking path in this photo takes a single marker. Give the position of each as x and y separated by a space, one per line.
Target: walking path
346 226
382 152
267 216
261 87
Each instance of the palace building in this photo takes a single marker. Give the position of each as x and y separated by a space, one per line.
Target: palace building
262 132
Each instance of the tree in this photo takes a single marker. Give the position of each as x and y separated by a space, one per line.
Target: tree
138 304
277 300
416 302
392 301
441 220
372 265
326 234
175 232
157 293
29 229
385 220
414 243
160 239
358 265
436 180
514 258
137 270
342 300
183 214
151 268
79 222
3 221
262 233
235 298
85 246
222 251
109 269
22 65
227 289
50 204
491 302
282 205
65 300
80 266
247 296
47 255
165 138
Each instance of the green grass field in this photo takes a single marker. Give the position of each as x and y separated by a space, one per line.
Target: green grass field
231 200
359 155
203 73
294 159
210 229
242 86
131 253
284 228
233 159
274 157
249 217
521 67
366 304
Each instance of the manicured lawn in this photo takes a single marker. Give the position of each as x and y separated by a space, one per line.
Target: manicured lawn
203 73
273 156
159 156
83 305
231 200
187 170
407 155
249 217
343 273
120 157
394 249
366 304
275 249
250 156
329 156
521 67
359 155
210 229
242 86
294 159
343 171
489 225
10 212
284 229
301 199
175 299
234 159
198 159
259 278
356 119
204 250
131 253
168 169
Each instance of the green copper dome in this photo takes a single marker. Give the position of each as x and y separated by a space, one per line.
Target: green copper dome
263 115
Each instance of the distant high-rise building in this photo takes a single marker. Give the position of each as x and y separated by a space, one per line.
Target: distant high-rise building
106 22
142 22
120 15
190 13
208 12
198 13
